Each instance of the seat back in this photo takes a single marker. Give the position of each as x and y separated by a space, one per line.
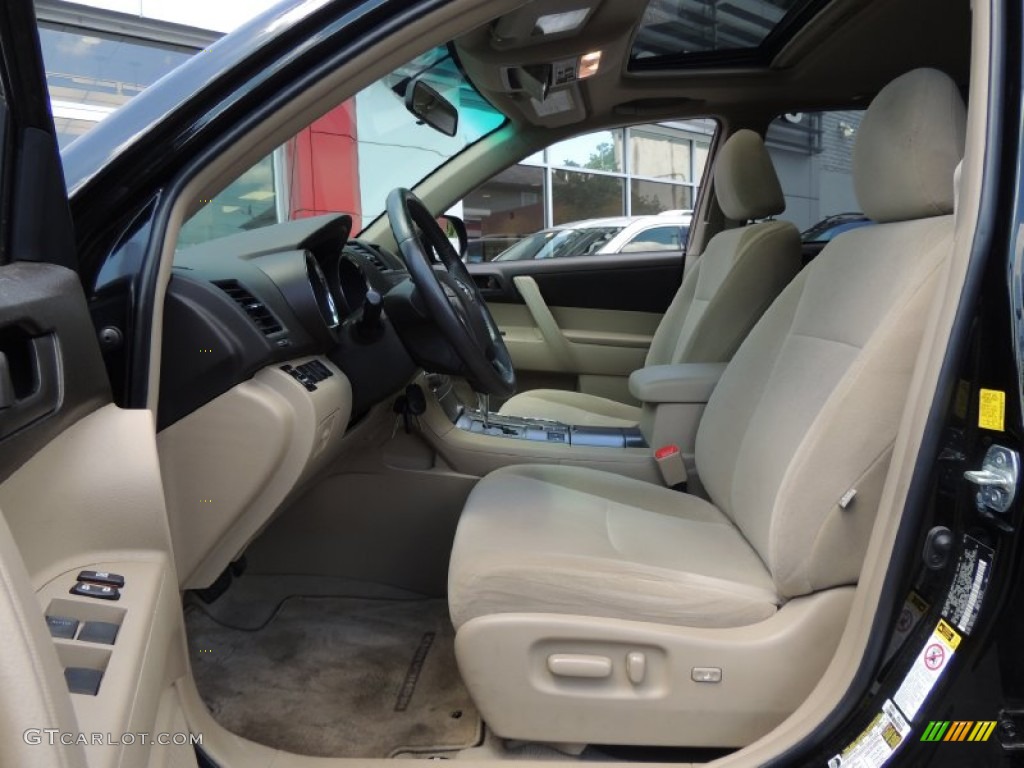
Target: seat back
807 412
741 271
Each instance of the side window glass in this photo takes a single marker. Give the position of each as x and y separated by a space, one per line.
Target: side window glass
813 154
657 239
600 180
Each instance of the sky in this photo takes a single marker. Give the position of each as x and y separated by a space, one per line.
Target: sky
218 15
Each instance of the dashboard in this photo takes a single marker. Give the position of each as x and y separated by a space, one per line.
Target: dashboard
260 298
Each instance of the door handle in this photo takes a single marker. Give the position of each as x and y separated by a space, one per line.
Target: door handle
29 380
545 321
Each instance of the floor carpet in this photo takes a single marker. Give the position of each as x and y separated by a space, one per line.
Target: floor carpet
337 677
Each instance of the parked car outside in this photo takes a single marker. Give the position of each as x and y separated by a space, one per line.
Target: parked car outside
622 234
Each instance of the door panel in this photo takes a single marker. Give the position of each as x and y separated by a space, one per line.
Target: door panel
583 323
638 282
80 485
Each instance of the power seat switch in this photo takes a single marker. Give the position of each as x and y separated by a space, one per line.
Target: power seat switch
99 591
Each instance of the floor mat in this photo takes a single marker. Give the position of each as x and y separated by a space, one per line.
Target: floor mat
337 677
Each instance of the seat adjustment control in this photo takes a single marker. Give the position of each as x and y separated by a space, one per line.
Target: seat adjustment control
636 667
99 591
706 674
579 665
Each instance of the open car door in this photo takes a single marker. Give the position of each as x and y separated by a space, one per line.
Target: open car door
89 598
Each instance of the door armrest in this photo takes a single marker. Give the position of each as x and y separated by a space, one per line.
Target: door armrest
682 383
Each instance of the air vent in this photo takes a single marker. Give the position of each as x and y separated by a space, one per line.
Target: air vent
369 253
254 308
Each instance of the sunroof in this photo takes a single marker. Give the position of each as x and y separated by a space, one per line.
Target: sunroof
673 33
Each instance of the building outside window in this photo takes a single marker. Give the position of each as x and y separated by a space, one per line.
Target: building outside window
644 169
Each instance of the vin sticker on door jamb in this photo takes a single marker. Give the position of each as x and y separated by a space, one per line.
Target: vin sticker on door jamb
969 585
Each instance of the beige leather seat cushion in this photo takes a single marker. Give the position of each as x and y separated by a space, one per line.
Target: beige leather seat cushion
537 538
577 408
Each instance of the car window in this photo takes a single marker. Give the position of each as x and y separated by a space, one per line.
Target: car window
657 239
350 159
642 169
560 243
813 155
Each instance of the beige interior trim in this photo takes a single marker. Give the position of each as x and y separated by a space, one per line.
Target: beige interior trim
766 670
229 465
679 383
89 494
92 499
33 695
557 344
139 665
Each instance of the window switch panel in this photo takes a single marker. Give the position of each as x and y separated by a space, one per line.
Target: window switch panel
83 680
102 577
62 626
99 632
100 591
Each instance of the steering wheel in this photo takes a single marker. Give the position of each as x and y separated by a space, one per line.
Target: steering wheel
450 295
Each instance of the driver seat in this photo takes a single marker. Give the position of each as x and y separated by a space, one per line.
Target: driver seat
595 608
739 274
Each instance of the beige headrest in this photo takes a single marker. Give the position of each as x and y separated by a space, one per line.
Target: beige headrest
745 180
908 144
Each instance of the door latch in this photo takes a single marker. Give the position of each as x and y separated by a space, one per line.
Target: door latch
996 480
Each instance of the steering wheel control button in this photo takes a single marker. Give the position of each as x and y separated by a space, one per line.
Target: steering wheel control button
99 591
636 667
99 632
102 577
706 674
63 627
579 665
83 680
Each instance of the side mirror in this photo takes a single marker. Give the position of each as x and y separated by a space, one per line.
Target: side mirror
455 229
430 107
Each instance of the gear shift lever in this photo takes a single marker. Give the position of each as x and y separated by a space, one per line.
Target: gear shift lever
483 403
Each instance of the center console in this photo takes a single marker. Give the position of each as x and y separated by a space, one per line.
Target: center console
481 421
472 440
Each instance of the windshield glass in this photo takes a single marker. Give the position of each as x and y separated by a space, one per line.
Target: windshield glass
559 243
348 160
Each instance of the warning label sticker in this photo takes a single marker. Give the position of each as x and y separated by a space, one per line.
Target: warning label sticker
913 609
969 584
927 668
991 409
875 746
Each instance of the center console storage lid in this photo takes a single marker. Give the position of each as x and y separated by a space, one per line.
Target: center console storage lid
681 383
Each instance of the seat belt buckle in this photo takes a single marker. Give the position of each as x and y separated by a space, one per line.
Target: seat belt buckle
670 463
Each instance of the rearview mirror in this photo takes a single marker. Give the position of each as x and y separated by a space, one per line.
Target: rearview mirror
431 107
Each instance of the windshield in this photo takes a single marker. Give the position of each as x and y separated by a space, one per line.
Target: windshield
559 243
348 160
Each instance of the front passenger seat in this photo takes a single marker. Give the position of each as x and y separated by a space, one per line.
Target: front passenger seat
595 608
737 277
